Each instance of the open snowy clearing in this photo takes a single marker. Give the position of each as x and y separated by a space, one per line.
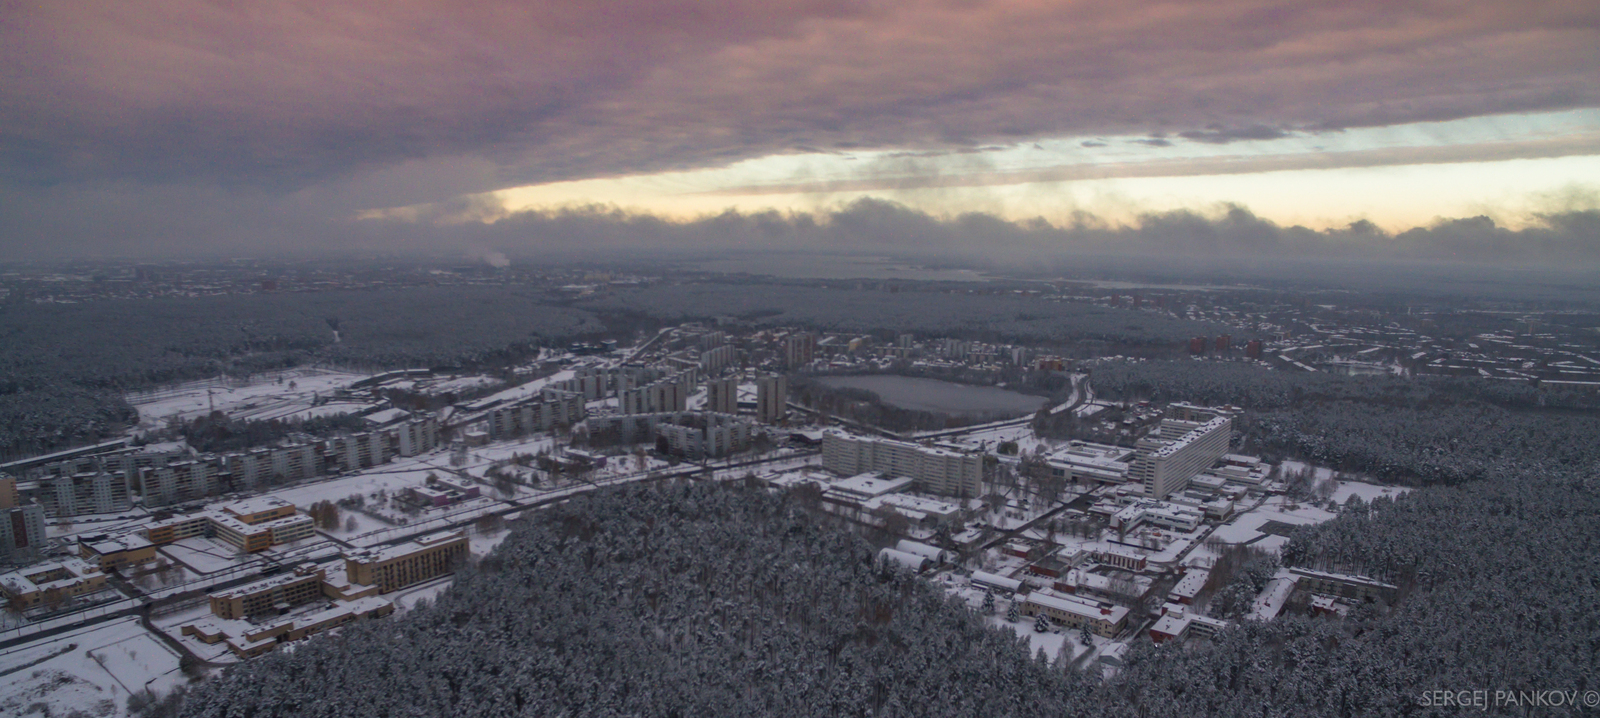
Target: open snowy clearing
96 676
264 399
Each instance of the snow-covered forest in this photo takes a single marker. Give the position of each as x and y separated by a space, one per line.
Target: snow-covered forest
1422 430
1253 386
671 601
721 600
1497 561
924 308
64 367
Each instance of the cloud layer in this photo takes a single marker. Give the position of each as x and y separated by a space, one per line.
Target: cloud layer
182 126
290 95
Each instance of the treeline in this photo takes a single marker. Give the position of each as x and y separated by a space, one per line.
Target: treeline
1449 444
1502 576
1427 430
704 600
1253 386
1498 572
64 367
926 309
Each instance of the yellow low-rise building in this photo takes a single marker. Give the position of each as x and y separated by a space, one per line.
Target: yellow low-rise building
248 640
396 567
112 553
48 583
270 596
259 510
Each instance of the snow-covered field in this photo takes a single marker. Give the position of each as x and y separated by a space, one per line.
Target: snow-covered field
392 477
203 555
265 399
526 391
105 665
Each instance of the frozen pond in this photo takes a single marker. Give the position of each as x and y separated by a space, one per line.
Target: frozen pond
939 396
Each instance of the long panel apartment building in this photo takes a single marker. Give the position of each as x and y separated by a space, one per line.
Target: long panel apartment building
553 408
940 471
1178 450
695 434
269 596
109 484
395 567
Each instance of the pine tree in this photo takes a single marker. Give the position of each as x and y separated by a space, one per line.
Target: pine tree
1011 613
988 603
1041 623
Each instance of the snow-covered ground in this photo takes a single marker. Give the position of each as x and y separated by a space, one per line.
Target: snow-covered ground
407 598
203 555
392 477
526 391
1367 492
105 664
262 400
1053 642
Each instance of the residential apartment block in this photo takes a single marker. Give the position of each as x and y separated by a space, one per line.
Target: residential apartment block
396 567
553 408
722 395
940 471
695 434
772 398
22 533
106 484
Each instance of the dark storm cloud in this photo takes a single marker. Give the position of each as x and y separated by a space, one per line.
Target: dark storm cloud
283 96
1233 233
133 221
1216 135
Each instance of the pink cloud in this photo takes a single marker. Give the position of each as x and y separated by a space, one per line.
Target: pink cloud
294 94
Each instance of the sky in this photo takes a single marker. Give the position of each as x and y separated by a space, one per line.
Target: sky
1446 130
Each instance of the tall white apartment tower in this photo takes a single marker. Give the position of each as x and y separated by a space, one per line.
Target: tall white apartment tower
722 395
772 397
